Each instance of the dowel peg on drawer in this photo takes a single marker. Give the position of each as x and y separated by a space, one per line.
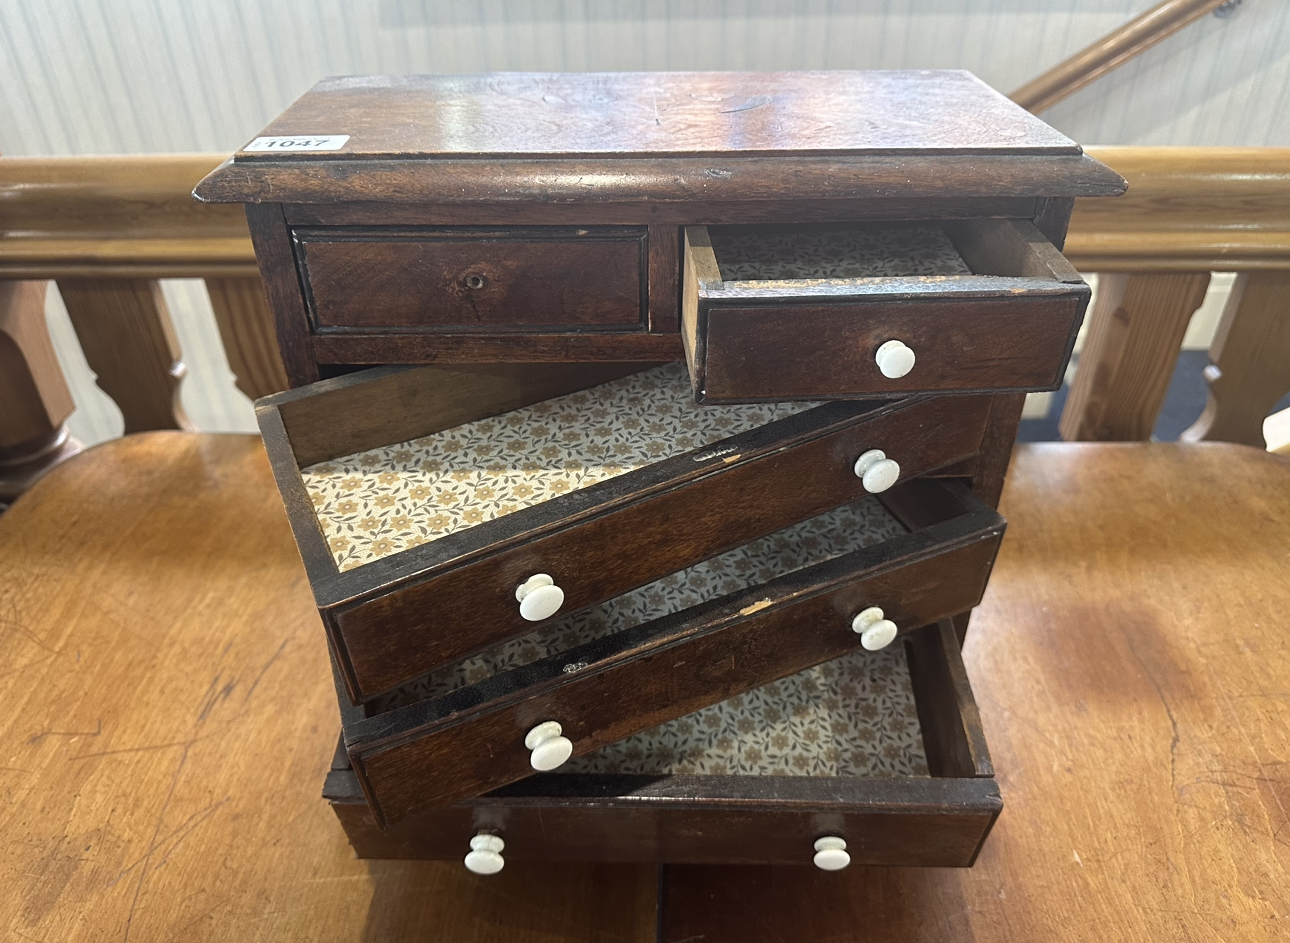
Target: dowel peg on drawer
550 749
831 853
876 471
485 855
894 359
539 597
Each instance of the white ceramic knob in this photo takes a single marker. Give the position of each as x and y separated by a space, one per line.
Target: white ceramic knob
894 359
876 471
875 632
831 853
485 855
539 597
549 748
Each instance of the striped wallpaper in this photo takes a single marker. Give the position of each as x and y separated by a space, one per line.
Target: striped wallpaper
120 76
116 76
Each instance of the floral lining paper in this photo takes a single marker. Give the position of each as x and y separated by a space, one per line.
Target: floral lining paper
853 716
385 500
891 250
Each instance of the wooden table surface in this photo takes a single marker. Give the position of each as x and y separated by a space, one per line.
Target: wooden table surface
168 720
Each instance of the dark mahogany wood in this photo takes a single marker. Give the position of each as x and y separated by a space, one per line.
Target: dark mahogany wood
732 213
470 279
1009 326
509 347
439 750
597 542
939 822
647 113
276 260
657 150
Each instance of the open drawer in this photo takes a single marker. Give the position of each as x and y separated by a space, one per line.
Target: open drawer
778 313
882 751
852 578
440 512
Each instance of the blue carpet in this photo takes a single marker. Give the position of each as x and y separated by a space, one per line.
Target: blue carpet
1183 404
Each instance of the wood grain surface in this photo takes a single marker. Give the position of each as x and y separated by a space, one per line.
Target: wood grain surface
1130 663
170 718
1135 329
467 279
514 114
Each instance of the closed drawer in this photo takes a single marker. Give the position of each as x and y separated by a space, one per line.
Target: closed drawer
884 752
852 578
855 311
474 280
418 550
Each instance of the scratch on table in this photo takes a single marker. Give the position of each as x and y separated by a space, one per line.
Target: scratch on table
267 665
214 694
161 816
141 749
67 733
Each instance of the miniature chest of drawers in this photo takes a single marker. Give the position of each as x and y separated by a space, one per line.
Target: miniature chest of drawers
594 217
730 366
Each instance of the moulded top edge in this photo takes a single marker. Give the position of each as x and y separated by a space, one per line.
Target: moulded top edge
671 179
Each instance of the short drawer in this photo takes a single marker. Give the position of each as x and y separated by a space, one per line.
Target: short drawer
874 310
852 578
884 753
419 537
474 280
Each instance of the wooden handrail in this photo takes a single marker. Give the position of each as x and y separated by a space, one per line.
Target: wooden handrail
1188 209
106 227
1110 52
117 216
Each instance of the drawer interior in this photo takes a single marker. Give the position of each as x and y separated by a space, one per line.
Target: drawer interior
884 748
380 501
855 716
864 523
878 250
942 255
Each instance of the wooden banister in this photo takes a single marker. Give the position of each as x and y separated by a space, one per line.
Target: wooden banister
1188 211
126 216
1110 52
105 228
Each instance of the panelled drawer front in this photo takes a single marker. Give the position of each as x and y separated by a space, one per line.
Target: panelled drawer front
934 825
937 820
960 344
469 741
383 641
762 330
552 278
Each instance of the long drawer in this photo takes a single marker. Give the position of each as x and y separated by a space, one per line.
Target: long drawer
853 578
420 535
918 793
463 279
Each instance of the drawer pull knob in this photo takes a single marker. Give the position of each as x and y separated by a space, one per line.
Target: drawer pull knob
831 853
894 359
874 630
485 855
549 748
876 471
539 597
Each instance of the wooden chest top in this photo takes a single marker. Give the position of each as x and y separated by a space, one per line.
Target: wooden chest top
707 136
535 114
